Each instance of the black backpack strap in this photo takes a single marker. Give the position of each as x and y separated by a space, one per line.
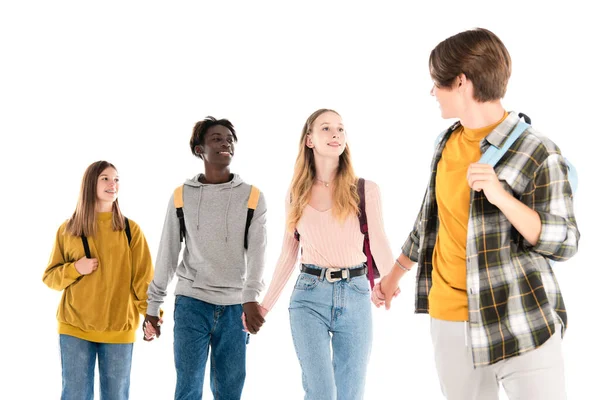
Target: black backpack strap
86 246
525 118
178 202
128 231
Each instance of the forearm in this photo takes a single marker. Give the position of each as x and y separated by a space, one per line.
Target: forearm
525 220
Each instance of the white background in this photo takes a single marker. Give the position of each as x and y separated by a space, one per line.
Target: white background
127 81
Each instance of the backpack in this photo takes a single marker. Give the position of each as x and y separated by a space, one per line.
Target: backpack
86 246
372 271
252 204
493 154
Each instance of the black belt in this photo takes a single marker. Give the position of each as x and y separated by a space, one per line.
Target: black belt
335 274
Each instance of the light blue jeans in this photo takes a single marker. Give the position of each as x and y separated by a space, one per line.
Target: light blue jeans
335 316
78 359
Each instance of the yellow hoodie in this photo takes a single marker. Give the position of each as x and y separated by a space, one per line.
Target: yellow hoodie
103 306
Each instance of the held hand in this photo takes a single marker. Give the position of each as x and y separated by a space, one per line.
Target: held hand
389 288
483 177
86 266
253 317
151 327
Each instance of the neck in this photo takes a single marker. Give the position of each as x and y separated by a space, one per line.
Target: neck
104 206
479 115
326 168
216 175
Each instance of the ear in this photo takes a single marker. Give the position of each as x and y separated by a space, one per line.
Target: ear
309 142
461 81
199 150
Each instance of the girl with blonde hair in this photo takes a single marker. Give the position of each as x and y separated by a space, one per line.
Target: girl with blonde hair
330 309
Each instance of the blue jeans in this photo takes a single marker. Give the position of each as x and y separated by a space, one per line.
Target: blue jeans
335 316
198 327
78 358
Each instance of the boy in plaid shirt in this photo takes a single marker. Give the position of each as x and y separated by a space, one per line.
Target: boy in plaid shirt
485 236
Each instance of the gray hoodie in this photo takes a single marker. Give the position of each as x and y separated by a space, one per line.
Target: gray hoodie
215 267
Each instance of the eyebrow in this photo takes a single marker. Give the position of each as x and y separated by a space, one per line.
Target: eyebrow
329 123
222 134
101 175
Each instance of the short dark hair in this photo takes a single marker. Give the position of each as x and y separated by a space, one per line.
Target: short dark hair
477 53
201 127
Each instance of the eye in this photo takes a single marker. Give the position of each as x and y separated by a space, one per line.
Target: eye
341 130
117 179
217 139
325 128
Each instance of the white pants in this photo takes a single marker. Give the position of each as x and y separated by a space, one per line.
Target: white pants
537 374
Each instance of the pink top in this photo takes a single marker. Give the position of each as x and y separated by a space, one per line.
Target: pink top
327 242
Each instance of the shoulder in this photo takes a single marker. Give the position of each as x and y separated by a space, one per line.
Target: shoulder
134 227
371 188
537 146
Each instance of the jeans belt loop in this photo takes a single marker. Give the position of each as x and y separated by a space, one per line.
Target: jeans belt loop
323 270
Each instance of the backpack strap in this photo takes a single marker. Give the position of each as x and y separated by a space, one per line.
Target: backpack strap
86 245
178 203
364 228
128 231
493 154
252 204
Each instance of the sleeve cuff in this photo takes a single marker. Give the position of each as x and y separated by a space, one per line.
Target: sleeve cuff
553 235
410 249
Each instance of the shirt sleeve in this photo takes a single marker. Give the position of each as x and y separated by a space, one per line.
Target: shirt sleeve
60 273
380 246
551 197
257 243
285 264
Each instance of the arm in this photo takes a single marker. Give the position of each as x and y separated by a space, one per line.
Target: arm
380 246
551 199
166 261
257 242
142 268
59 273
285 265
545 215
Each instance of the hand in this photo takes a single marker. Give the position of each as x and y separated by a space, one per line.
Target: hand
483 177
151 327
86 266
253 317
388 287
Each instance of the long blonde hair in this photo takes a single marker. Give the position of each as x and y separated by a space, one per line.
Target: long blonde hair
83 220
345 194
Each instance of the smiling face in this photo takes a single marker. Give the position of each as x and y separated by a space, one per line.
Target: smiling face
327 135
107 188
218 147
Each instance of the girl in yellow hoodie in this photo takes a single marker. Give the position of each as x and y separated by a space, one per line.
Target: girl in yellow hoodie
102 263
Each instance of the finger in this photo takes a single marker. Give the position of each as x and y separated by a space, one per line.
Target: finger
388 302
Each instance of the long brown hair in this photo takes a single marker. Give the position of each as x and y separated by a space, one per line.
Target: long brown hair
83 220
345 195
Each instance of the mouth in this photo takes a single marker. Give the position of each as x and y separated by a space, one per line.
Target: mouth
226 153
110 191
334 144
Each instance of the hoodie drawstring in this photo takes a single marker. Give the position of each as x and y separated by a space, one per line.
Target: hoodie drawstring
198 210
227 210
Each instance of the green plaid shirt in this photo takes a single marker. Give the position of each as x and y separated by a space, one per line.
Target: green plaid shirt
512 292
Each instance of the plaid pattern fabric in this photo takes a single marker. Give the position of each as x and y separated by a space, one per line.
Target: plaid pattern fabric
513 294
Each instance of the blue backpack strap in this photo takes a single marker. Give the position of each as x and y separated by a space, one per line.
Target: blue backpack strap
573 178
493 154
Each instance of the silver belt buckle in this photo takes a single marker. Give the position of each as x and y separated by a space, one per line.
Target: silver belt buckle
329 271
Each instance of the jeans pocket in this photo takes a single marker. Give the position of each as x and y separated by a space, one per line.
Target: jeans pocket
306 282
360 285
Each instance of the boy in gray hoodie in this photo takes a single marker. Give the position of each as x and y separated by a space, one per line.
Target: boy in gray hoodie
220 272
